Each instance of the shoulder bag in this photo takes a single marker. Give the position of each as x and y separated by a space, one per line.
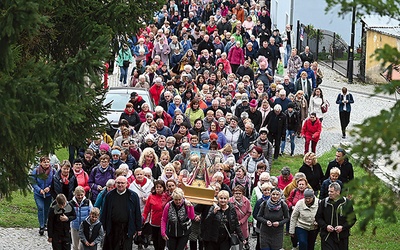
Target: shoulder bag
234 239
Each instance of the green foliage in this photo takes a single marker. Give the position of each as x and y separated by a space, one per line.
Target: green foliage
51 64
377 137
366 7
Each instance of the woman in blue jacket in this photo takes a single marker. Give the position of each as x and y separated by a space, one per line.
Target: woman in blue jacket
344 100
42 177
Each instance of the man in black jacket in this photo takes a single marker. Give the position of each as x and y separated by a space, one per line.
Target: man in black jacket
121 217
342 163
276 124
335 216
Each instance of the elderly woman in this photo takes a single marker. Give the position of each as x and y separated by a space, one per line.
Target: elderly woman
256 156
148 119
42 177
100 175
144 112
153 210
243 209
176 221
184 156
140 51
273 215
176 104
313 171
221 222
302 221
141 186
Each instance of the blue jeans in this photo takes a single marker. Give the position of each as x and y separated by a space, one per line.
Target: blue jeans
43 205
306 238
124 74
287 55
291 134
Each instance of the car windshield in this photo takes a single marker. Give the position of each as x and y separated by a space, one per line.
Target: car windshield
119 100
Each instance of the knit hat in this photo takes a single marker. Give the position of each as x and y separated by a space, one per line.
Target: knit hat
258 149
149 137
245 98
263 131
104 146
308 193
205 136
213 136
291 105
115 152
253 103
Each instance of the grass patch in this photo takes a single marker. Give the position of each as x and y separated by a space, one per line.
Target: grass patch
21 211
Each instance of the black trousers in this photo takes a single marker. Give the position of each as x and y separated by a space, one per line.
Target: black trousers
158 241
344 120
177 243
333 244
276 141
61 245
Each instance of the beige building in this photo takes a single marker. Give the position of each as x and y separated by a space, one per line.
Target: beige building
376 34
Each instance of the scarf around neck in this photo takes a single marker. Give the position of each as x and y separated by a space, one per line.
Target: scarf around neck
274 206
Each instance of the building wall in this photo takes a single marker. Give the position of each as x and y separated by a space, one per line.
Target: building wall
376 40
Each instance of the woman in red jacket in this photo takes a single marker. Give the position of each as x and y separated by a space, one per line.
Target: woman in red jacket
155 206
311 131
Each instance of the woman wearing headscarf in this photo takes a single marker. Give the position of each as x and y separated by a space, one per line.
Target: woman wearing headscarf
273 215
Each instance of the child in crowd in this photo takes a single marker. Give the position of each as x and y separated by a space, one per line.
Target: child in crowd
82 208
91 230
61 213
334 174
194 142
169 173
205 141
177 165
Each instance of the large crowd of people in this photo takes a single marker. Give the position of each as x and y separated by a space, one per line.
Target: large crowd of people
228 92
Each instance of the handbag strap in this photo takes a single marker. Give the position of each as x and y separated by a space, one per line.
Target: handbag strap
229 234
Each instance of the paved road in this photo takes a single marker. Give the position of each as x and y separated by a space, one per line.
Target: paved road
364 107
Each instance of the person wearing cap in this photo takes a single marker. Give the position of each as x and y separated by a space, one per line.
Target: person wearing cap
124 59
254 114
81 176
266 145
335 217
302 222
137 101
342 163
242 107
276 124
282 100
293 120
116 158
204 140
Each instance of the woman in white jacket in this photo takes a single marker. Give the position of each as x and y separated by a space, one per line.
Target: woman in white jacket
316 100
302 221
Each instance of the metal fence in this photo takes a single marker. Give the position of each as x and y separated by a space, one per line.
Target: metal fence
328 47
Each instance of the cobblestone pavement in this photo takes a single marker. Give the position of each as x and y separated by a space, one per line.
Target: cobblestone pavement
364 107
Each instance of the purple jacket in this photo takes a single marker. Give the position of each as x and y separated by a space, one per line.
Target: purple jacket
99 177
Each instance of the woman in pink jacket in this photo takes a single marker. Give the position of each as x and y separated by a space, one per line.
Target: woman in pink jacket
177 220
242 207
236 57
311 131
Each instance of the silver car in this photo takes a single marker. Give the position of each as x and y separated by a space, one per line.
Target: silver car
119 97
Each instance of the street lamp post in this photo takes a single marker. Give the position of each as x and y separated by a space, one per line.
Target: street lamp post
350 58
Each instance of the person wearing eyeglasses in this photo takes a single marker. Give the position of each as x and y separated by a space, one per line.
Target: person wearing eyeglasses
121 216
